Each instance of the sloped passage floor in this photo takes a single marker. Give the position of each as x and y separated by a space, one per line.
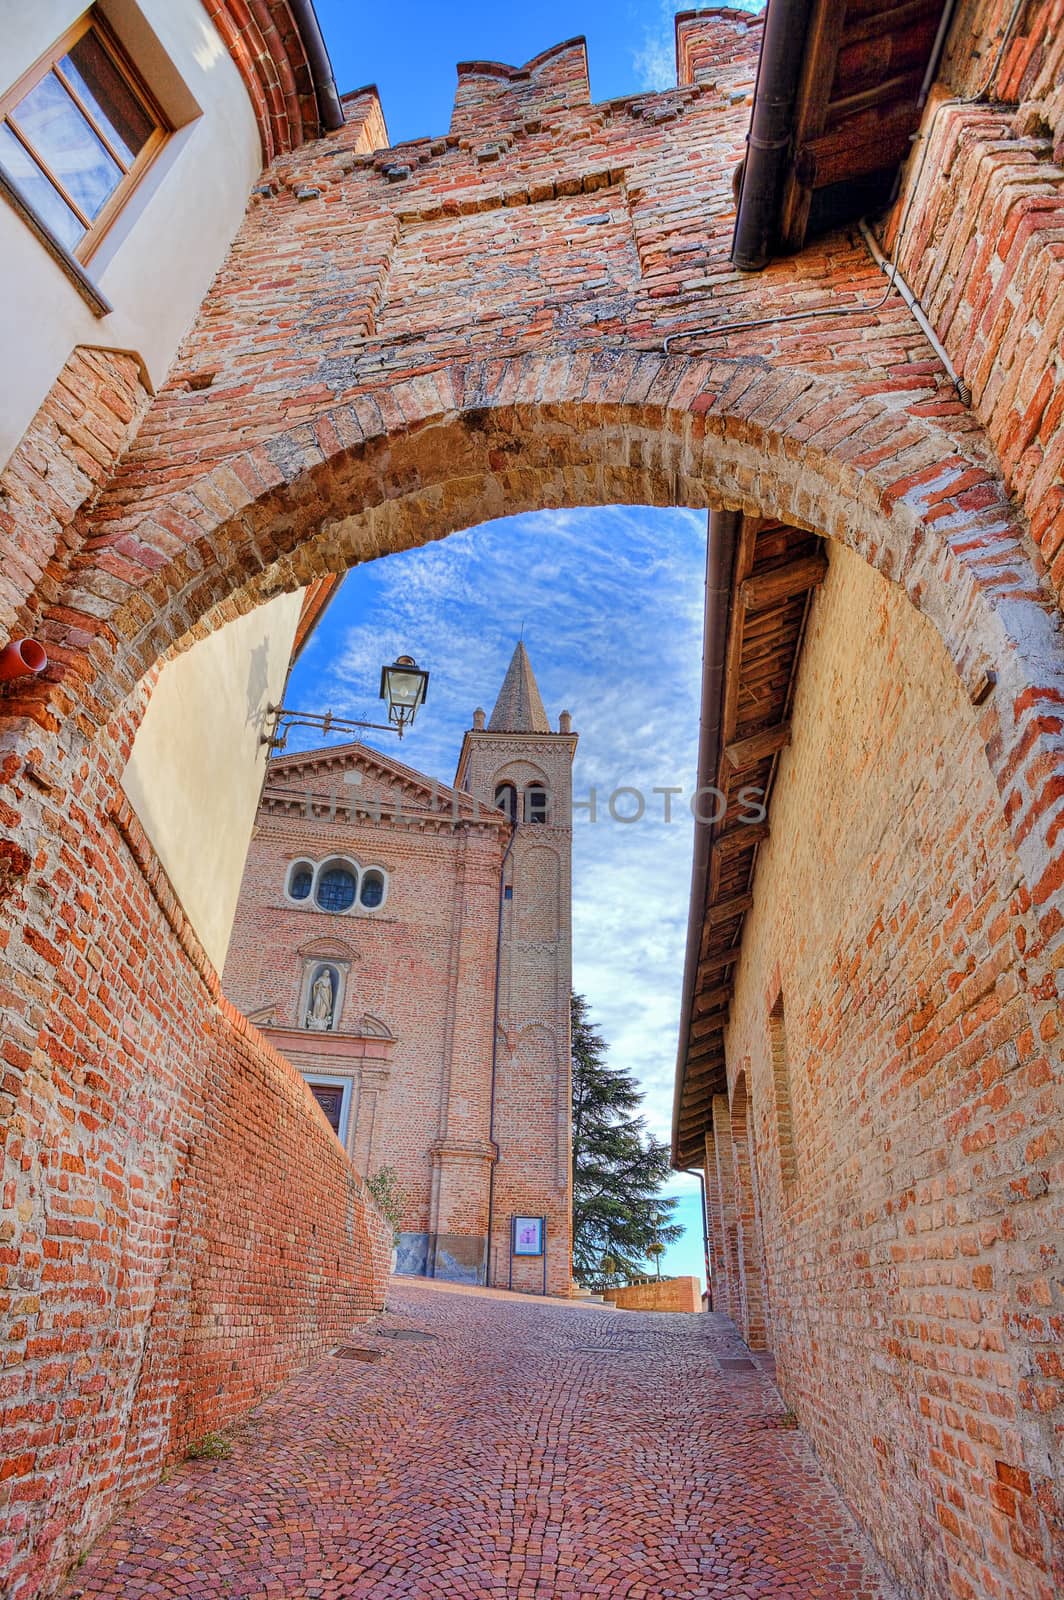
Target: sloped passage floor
528 1450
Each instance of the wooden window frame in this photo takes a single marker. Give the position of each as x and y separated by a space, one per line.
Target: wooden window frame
132 173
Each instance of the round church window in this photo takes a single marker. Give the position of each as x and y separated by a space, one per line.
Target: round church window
336 889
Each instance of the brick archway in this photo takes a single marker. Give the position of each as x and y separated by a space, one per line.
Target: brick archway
174 541
176 544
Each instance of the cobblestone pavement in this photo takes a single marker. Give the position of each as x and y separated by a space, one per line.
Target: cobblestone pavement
525 1449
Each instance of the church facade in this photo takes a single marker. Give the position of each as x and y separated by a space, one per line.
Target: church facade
407 945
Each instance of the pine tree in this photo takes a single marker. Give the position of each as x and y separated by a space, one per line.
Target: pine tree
618 1167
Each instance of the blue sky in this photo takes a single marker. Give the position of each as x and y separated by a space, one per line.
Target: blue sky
611 604
411 54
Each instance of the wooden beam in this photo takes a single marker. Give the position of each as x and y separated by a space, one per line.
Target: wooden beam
748 752
718 961
727 910
704 1028
697 1116
870 142
705 1059
814 90
782 583
711 999
742 837
744 560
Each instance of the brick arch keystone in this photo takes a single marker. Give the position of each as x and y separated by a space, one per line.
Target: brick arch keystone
173 541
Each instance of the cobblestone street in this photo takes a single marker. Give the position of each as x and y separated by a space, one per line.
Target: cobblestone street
522 1449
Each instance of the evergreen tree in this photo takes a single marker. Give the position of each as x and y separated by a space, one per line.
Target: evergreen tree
618 1167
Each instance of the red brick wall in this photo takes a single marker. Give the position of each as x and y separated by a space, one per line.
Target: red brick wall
671 1294
70 448
179 1231
910 1263
981 246
318 444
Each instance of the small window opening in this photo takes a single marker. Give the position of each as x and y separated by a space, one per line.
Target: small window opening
781 1083
299 883
372 894
537 804
330 1097
506 800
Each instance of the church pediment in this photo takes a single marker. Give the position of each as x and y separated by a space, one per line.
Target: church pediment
354 780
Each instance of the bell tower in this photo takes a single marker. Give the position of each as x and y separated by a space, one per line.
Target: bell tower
516 762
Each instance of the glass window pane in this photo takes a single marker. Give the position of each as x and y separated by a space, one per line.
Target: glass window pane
372 890
108 96
38 192
302 878
55 127
336 890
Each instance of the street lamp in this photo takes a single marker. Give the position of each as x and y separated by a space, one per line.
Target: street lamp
403 686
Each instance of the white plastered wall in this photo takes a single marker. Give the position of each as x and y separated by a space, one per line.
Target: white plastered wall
196 768
158 259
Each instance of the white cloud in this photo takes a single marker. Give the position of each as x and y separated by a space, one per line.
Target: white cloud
654 62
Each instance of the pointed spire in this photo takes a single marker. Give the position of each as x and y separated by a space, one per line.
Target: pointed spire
519 708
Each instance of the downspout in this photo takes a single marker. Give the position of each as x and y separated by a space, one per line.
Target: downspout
771 130
330 110
495 1053
720 560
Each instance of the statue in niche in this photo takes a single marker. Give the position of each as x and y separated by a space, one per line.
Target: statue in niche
322 1002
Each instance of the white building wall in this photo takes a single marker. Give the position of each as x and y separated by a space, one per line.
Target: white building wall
196 768
158 259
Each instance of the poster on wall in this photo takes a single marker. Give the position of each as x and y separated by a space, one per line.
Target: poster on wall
527 1237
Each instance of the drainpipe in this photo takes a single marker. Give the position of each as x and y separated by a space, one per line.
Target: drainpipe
329 108
22 658
720 560
771 130
495 1052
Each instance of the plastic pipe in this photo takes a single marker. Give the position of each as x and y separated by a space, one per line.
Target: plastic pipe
22 658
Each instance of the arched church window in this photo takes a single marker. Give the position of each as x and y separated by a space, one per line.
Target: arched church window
337 888
506 800
537 803
372 893
300 880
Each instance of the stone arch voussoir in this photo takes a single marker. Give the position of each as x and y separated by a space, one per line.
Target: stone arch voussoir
170 553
